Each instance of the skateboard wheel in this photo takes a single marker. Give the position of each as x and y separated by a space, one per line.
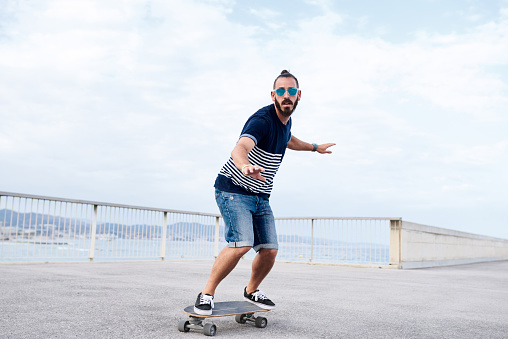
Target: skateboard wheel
261 322
240 318
209 329
183 326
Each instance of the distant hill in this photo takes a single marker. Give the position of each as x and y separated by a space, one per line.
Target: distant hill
44 224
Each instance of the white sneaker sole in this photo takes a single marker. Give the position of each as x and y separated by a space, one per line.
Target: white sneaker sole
261 305
202 312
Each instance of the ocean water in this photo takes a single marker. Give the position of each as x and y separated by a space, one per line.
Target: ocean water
78 249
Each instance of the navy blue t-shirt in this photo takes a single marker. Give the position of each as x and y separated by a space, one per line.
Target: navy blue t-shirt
271 138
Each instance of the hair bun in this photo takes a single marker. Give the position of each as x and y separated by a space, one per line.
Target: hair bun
286 74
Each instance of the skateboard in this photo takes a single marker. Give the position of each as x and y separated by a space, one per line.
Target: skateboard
242 310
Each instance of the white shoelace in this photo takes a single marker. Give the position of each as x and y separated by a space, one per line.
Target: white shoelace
206 299
259 295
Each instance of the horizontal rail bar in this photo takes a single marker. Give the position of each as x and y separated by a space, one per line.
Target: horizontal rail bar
88 202
338 218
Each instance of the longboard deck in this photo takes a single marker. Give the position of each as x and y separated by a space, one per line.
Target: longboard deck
226 308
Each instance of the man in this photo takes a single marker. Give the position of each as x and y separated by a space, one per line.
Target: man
243 187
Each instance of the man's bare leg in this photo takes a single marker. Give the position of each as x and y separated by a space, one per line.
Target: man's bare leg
261 266
226 261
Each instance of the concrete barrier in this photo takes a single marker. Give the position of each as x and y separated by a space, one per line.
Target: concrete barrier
417 246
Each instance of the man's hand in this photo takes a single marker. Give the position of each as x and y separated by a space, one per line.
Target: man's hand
241 160
323 148
254 172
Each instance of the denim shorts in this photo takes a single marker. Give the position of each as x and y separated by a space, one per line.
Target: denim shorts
248 220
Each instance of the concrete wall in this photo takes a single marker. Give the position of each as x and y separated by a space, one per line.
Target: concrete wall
417 246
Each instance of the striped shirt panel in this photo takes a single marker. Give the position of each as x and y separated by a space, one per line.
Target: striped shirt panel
270 162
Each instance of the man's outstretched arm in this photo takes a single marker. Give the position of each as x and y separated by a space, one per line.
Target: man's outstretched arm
241 160
296 144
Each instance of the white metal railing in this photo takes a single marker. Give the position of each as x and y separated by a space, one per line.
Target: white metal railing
334 240
39 228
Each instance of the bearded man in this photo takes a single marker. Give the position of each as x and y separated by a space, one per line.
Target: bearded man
242 192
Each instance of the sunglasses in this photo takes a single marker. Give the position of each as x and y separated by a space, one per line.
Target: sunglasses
291 91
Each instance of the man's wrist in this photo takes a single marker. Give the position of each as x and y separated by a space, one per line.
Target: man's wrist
244 167
314 147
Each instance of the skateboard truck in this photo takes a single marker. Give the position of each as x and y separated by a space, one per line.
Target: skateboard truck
260 322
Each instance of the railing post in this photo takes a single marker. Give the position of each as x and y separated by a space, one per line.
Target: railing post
395 242
216 238
163 237
311 240
92 233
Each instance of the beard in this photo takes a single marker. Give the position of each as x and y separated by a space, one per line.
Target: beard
287 111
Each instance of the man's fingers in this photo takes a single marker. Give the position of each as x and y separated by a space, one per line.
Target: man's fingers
255 172
254 169
324 148
259 177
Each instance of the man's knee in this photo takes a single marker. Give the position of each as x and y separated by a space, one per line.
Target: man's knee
240 251
268 253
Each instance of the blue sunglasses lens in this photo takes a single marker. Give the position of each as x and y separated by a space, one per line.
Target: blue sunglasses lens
280 91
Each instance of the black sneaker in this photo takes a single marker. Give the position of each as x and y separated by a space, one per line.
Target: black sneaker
204 304
258 298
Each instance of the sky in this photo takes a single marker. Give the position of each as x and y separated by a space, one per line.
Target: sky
141 103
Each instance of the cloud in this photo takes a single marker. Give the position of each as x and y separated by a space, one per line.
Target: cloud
480 155
147 99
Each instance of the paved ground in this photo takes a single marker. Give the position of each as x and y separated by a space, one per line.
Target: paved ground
145 300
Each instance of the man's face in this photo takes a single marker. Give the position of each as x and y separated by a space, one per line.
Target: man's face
286 104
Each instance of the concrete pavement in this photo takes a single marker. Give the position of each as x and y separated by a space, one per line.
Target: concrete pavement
145 300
